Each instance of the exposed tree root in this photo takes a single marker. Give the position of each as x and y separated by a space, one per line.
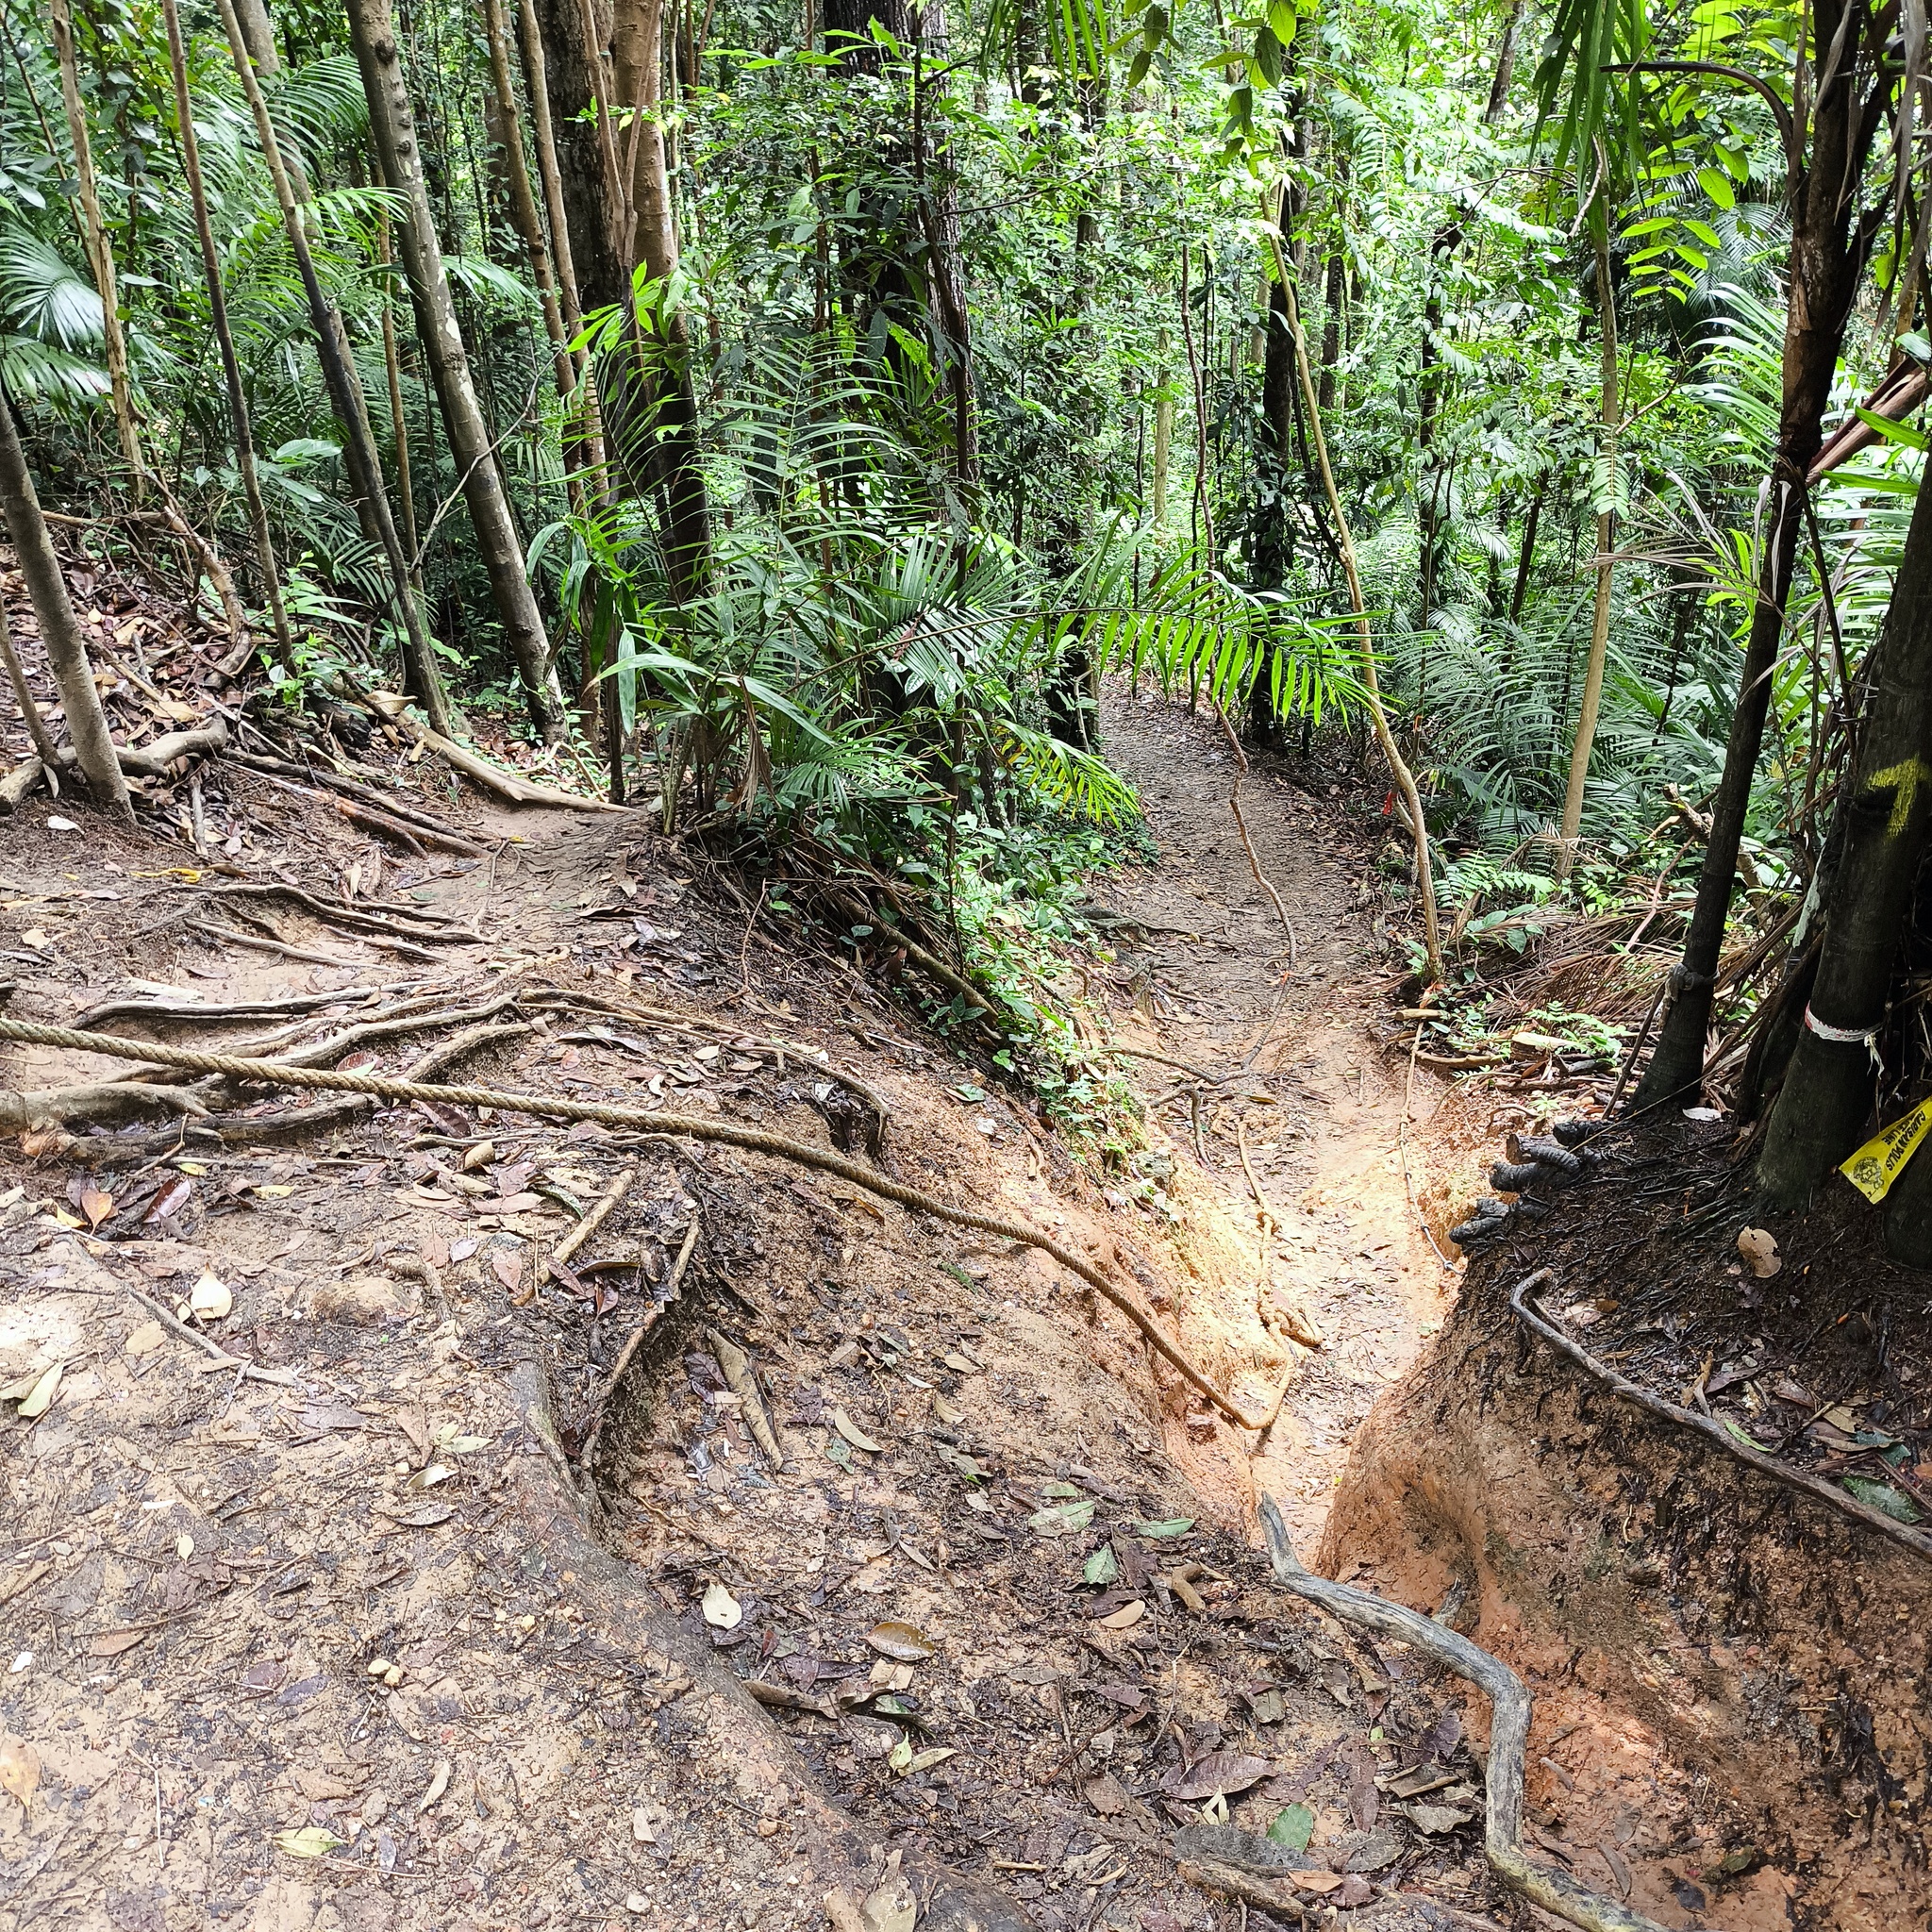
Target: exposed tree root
739 1735
100 1101
362 805
670 1125
632 1342
1510 1706
248 1129
1914 1540
493 779
397 922
15 786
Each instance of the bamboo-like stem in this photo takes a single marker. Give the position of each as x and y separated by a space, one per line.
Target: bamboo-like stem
1605 540
94 233
344 392
22 691
1398 766
225 338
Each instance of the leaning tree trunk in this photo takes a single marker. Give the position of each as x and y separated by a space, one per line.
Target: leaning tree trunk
225 338
1606 539
345 395
669 422
1822 1107
100 258
1505 66
391 121
1830 239
74 676
937 186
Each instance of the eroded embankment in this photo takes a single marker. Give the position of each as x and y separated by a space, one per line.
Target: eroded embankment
1732 1679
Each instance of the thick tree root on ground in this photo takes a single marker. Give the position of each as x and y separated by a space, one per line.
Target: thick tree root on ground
512 790
1510 1704
101 1101
741 1737
668 1125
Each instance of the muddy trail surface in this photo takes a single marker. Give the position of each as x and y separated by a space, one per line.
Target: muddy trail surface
430 1515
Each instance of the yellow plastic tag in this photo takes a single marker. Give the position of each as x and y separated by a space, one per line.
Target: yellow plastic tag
1874 1167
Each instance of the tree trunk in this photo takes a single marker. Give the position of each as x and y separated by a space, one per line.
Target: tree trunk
939 201
1605 540
1830 239
224 339
1506 65
392 125
100 257
1525 555
258 36
568 39
523 204
569 290
671 426
345 394
1163 431
1826 1096
74 676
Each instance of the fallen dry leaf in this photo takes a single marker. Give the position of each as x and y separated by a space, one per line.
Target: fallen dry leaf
1220 1772
1126 1617
146 1339
310 1841
439 1783
96 1204
40 1398
854 1434
19 1770
903 1642
112 1642
1758 1247
722 1610
210 1299
507 1266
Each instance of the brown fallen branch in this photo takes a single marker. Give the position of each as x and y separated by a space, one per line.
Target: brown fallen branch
250 1371
493 779
669 1125
1510 1714
97 1101
743 1742
601 1211
631 1344
1814 1486
19 782
743 1384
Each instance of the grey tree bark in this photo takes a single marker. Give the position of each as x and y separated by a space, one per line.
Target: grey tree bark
74 676
392 125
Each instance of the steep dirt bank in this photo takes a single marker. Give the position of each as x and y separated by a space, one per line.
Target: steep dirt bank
1732 1678
314 1635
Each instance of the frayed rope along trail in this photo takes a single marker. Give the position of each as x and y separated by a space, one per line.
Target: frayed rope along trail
673 1126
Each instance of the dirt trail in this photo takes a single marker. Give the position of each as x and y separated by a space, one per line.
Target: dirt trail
1208 968
348 1599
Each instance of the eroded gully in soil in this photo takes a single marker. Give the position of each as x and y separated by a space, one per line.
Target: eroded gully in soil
1336 1134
